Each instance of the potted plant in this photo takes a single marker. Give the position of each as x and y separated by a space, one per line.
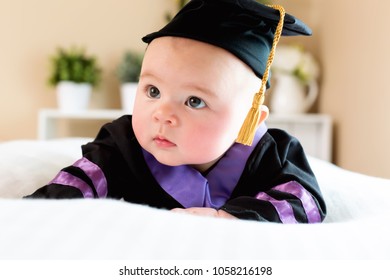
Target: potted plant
74 74
128 74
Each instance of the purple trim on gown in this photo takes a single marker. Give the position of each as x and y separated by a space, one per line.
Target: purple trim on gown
191 189
96 175
284 209
67 179
308 203
92 171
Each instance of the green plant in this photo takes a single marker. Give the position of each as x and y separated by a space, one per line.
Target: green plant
130 67
74 65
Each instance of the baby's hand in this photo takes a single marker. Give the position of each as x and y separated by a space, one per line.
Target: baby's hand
202 211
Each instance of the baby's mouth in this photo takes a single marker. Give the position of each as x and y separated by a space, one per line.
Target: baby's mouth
163 142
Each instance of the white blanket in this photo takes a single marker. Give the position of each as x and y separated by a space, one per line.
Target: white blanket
357 225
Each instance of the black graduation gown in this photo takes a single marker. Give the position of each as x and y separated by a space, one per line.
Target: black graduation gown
278 158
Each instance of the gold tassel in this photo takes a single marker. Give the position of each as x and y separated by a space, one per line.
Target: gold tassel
248 129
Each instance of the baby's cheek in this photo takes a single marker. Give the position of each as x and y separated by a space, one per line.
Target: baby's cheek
206 147
137 128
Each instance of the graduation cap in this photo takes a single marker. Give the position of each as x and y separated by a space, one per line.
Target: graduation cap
245 28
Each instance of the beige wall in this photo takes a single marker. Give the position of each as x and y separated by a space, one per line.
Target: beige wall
30 32
350 39
356 89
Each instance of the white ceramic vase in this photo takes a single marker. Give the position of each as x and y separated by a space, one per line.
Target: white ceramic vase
290 96
128 92
73 97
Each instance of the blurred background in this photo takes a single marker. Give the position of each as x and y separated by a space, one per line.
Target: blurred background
350 41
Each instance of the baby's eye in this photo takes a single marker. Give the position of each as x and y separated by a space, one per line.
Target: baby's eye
153 92
195 102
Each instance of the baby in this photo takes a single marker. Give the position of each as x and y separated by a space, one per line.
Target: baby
190 144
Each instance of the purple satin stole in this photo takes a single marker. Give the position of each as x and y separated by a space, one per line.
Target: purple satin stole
191 189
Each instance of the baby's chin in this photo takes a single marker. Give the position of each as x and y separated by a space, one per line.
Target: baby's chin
167 158
201 166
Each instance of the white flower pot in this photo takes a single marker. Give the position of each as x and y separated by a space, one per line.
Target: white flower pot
73 97
128 92
290 96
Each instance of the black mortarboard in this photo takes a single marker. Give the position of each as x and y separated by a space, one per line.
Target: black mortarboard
245 28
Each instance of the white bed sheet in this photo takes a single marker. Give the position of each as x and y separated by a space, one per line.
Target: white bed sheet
357 225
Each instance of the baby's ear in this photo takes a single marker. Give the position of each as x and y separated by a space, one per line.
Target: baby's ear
264 112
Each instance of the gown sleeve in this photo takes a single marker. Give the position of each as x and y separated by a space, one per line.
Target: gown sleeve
280 182
100 166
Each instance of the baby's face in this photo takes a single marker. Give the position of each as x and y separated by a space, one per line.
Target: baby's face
191 101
